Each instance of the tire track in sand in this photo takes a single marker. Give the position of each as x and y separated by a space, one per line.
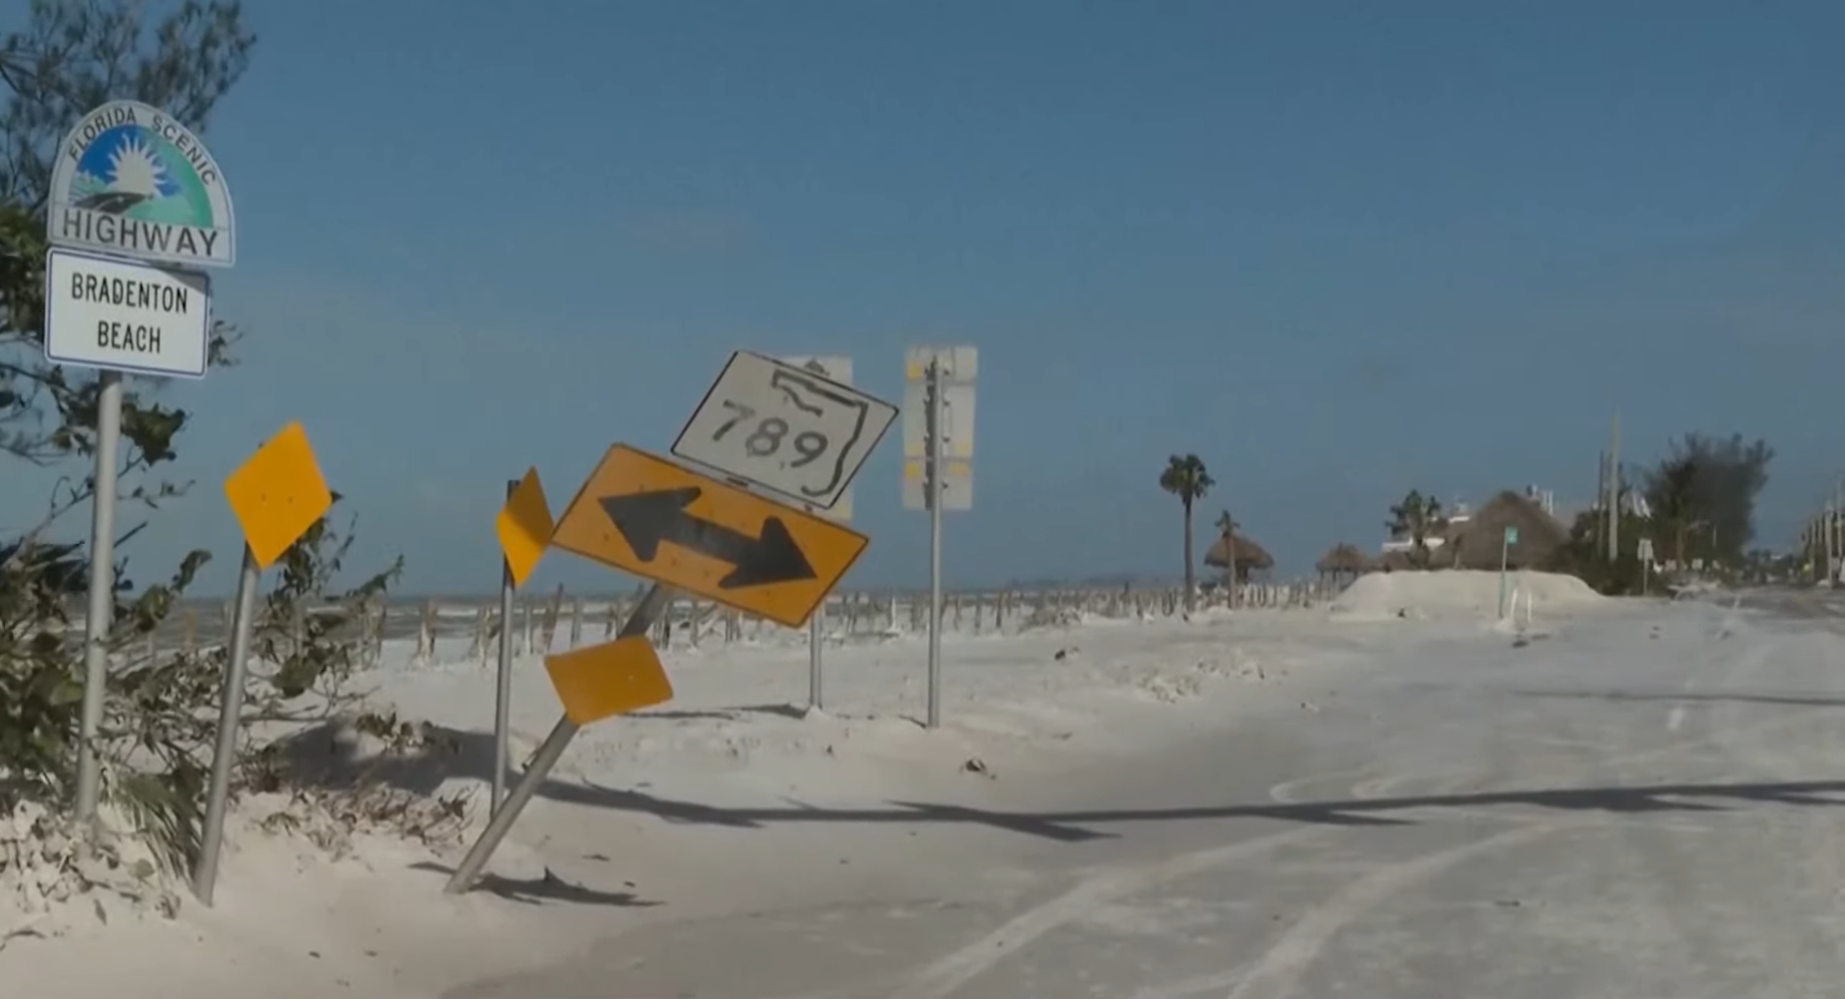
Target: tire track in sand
942 977
1279 967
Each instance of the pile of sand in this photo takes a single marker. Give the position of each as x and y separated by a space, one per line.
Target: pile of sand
1456 593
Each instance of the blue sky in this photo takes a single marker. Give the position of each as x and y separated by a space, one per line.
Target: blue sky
1338 250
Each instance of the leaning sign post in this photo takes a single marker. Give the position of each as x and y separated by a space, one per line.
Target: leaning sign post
276 496
764 424
137 204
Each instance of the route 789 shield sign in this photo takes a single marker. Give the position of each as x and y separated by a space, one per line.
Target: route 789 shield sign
791 431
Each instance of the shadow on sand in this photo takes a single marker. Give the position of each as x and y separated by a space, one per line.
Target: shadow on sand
1688 697
548 888
328 756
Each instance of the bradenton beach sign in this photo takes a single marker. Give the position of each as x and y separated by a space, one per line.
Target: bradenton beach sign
132 182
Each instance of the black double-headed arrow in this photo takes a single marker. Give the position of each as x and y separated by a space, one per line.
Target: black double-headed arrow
646 519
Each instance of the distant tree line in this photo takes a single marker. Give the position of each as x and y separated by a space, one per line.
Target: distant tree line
1696 503
1699 505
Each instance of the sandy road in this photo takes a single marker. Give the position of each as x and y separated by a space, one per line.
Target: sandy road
1639 805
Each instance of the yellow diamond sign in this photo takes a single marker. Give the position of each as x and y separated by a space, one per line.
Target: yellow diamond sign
609 679
278 494
524 527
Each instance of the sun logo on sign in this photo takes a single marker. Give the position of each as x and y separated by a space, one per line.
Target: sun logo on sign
135 170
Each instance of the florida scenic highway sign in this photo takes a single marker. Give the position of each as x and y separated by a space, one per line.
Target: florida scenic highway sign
132 182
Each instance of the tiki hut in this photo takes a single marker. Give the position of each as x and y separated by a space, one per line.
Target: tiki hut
1343 563
1540 535
1249 556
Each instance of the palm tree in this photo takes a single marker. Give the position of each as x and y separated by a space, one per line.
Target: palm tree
1226 529
1417 517
1186 478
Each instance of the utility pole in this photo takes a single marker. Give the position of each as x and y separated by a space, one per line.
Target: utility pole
1601 500
1816 544
1826 520
1806 547
1614 491
1818 554
1831 534
1834 542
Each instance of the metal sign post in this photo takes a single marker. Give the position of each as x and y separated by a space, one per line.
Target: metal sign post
276 496
935 543
815 676
547 756
938 471
838 369
1506 541
502 698
230 716
101 615
524 528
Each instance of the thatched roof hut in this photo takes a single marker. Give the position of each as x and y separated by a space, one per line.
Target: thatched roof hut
1540 535
1343 558
1249 556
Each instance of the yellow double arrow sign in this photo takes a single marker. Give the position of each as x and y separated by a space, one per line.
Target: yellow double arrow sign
648 516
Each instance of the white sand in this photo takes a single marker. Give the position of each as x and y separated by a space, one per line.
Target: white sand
1458 594
368 918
